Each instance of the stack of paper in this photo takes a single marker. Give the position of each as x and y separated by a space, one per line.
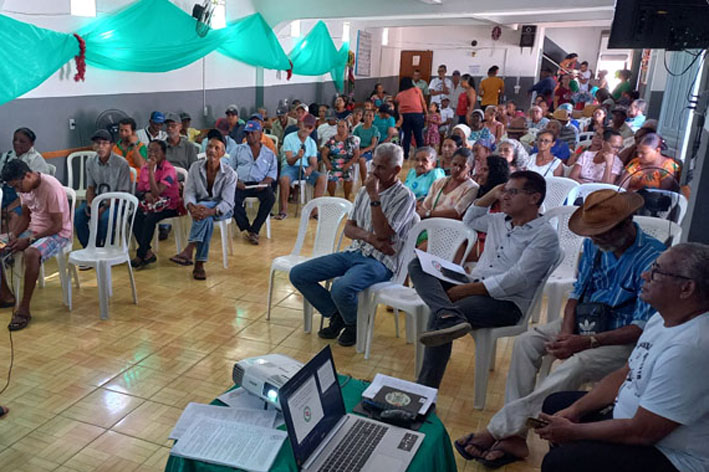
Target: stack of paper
381 380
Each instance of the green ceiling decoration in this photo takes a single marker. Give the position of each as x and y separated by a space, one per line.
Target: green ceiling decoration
316 54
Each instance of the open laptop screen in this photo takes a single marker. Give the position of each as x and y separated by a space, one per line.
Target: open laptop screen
312 404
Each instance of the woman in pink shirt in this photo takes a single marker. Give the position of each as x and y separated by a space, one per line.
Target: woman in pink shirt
159 194
412 107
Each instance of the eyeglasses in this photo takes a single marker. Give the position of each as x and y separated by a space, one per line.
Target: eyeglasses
513 191
655 269
545 141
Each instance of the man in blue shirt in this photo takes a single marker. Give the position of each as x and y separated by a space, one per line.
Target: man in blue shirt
300 161
545 87
615 255
257 168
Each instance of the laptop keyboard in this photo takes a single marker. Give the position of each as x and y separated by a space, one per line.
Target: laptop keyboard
355 448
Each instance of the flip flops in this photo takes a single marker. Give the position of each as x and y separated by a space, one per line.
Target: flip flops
19 321
183 261
280 216
461 447
4 411
504 459
199 274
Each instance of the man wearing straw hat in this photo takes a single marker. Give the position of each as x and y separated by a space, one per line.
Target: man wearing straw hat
615 254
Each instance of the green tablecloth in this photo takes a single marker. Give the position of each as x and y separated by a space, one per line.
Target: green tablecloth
435 453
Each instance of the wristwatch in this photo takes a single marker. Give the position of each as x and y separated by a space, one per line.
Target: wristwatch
594 342
428 213
375 203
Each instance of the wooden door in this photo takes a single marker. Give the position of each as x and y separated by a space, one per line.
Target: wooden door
412 60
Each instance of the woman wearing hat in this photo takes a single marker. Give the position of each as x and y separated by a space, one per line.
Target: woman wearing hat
604 165
514 153
463 132
650 169
543 161
497 129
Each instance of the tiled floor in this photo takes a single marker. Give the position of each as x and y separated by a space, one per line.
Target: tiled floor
90 395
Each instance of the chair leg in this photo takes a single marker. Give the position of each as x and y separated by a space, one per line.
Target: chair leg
18 277
483 350
225 244
41 276
268 227
363 299
396 321
545 368
410 327
419 323
270 294
179 235
307 316
230 238
103 291
75 275
493 355
64 279
156 240
132 283
372 306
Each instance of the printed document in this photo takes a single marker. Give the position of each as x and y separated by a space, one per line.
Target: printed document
195 411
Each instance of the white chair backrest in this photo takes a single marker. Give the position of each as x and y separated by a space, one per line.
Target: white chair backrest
584 143
659 228
586 136
133 180
274 138
331 212
677 200
569 241
121 208
82 156
583 190
558 189
52 169
445 236
71 195
524 321
181 173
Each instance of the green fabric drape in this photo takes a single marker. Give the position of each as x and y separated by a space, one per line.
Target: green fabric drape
316 54
252 41
30 55
147 36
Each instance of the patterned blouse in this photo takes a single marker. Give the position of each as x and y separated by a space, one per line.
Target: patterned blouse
651 177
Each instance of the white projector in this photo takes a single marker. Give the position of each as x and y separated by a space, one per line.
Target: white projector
263 376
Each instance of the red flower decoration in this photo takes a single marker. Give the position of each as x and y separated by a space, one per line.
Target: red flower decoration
80 59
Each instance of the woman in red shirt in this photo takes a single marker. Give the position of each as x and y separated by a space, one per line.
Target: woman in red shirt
466 101
412 108
563 92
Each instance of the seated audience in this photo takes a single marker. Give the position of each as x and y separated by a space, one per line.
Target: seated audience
369 136
496 128
256 169
619 116
424 173
281 123
563 92
222 126
40 232
636 114
537 120
493 171
377 95
322 115
596 145
357 117
341 111
129 146
450 197
599 120
517 128
159 193
478 130
543 161
615 255
236 125
300 163
447 118
481 149
560 149
209 197
628 153
265 140
180 152
650 169
154 129
567 132
340 154
23 149
524 247
386 124
328 129
187 131
652 413
449 146
514 153
301 111
379 224
602 166
463 132
105 172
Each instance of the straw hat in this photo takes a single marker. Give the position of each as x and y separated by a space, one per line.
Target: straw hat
602 210
561 115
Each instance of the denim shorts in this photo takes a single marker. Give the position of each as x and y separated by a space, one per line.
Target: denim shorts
292 173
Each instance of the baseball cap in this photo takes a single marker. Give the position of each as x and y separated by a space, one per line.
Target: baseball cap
280 111
252 125
157 117
303 106
384 109
172 117
330 115
216 134
102 134
232 109
185 116
309 120
222 125
256 116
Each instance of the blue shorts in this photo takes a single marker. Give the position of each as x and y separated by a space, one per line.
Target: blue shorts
367 155
292 173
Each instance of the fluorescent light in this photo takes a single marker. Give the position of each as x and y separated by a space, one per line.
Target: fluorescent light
346 32
83 7
219 16
385 36
295 29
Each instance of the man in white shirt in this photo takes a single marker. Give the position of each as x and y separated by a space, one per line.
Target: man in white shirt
659 399
328 129
154 129
440 86
584 77
447 116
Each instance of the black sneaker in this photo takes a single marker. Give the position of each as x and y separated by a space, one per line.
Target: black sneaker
332 330
446 330
348 336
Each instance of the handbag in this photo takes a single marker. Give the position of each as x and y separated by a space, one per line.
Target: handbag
594 317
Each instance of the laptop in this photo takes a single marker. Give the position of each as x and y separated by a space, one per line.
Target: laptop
326 438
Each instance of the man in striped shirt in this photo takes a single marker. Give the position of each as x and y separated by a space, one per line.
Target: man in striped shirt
381 217
615 255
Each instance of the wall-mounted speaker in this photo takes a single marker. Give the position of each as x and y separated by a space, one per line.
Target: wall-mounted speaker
526 39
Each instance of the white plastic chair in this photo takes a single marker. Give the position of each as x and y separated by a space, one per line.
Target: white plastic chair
176 222
331 212
445 236
561 281
660 228
586 136
676 198
52 169
82 156
248 202
133 180
274 138
121 215
558 189
486 341
584 190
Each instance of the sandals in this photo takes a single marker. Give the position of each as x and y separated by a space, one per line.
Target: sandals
19 321
460 447
181 260
199 274
280 216
4 411
504 459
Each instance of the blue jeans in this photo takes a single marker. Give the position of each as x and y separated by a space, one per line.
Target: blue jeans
201 231
82 229
352 272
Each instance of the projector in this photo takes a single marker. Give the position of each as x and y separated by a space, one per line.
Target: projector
263 376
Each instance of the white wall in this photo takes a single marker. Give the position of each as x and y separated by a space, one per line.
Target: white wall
584 41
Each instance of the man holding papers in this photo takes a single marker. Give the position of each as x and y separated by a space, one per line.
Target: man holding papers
257 168
519 250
